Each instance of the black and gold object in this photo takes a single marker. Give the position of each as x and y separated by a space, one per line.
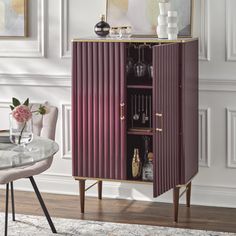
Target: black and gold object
102 28
136 165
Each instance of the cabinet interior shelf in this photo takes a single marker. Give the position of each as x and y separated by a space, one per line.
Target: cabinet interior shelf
139 86
137 131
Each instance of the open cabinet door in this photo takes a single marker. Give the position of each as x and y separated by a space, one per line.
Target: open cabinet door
166 120
99 97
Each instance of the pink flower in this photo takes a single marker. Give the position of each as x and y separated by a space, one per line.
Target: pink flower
22 113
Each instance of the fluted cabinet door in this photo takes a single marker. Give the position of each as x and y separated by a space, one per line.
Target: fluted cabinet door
98 106
166 120
189 110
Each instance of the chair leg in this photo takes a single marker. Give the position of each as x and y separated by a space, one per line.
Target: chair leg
42 204
82 194
176 203
12 202
100 190
6 209
188 194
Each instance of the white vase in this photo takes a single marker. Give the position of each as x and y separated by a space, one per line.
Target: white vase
172 29
164 7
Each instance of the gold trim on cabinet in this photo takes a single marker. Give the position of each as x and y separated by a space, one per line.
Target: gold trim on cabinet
133 40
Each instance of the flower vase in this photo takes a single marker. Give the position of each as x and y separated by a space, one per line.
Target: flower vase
21 133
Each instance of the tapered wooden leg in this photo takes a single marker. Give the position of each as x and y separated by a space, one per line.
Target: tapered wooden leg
176 203
99 189
188 194
82 194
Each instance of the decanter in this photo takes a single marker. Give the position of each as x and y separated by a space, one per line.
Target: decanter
102 28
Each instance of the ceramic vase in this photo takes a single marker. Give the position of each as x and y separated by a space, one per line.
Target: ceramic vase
164 7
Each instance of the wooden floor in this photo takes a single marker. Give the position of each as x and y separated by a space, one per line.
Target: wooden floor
125 211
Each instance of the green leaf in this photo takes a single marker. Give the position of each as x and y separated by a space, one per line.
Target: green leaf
26 103
12 108
15 102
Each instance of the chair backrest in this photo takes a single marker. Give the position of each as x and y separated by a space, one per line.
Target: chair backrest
45 125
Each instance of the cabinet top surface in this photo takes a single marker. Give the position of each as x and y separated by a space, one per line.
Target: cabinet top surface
133 40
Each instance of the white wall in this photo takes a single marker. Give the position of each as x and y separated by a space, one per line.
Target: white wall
39 67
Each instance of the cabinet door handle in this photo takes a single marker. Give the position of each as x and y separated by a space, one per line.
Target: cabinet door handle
160 115
159 130
122 111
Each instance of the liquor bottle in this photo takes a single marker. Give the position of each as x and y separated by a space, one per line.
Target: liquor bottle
147 174
136 165
102 28
146 148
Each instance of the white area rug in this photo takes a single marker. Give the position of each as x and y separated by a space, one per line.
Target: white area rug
37 225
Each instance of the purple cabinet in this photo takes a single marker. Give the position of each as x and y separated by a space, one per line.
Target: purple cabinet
103 98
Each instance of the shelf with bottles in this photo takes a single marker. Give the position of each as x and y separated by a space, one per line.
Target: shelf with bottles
139 110
139 158
139 69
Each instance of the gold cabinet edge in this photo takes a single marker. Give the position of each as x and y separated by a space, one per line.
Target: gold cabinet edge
135 40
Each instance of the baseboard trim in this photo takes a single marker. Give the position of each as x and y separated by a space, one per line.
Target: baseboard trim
63 184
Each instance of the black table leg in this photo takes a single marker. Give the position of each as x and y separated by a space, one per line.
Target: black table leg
42 204
12 202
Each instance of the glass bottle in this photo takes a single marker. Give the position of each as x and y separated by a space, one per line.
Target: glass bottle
136 165
147 174
102 28
146 148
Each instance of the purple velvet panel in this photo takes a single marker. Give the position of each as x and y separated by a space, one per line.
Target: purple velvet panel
166 102
189 110
99 135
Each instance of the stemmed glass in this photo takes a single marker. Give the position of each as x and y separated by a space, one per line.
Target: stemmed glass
129 63
140 67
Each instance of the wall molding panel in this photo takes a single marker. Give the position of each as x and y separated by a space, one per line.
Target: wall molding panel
204 137
64 30
231 137
28 48
230 30
66 131
217 85
4 105
35 80
204 37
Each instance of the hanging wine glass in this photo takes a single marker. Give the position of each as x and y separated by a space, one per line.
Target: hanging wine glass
129 62
149 65
140 67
